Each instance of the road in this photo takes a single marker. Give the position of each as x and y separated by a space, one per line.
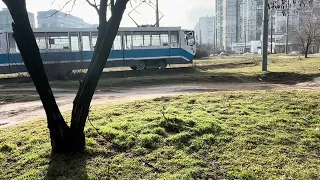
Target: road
12 114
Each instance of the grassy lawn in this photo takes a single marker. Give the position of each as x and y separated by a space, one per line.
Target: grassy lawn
218 69
232 135
14 98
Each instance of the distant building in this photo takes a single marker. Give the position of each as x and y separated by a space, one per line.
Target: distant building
6 19
227 13
251 16
218 13
204 30
56 19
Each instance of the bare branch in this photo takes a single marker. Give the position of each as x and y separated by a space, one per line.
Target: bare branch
94 5
73 4
69 1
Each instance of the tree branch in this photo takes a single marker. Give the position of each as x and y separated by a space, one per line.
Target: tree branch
103 12
94 5
86 90
29 50
112 6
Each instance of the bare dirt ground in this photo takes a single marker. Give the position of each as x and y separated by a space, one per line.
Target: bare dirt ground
16 113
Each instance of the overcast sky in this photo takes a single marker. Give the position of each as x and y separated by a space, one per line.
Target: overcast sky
183 13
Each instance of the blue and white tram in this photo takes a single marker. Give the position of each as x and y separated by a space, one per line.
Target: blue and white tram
136 47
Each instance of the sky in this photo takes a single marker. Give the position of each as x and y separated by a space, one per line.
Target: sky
183 13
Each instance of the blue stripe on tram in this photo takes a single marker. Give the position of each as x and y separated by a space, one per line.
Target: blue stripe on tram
115 54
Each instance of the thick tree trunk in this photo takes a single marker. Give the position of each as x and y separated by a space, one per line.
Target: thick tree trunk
62 137
306 51
83 99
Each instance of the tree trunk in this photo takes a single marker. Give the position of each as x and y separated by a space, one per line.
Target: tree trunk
30 53
63 138
84 96
306 51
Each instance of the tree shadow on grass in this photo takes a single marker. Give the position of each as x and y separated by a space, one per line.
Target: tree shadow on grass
288 77
72 166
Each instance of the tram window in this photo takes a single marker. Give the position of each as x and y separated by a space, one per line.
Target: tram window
117 43
94 38
41 40
74 42
127 40
85 42
13 45
137 39
58 41
155 38
174 37
160 38
141 39
164 38
147 39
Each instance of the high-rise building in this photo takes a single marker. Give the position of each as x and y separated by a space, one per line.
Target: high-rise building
204 30
251 16
231 22
238 21
56 19
228 22
6 19
218 9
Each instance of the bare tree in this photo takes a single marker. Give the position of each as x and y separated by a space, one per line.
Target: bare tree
64 138
308 31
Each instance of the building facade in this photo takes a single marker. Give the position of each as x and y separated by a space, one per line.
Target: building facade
231 23
6 19
241 21
238 21
218 13
251 20
228 22
56 19
205 30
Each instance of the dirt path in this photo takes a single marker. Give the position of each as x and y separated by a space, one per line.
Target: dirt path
15 113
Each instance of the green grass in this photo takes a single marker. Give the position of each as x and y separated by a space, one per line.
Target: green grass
232 135
219 69
14 98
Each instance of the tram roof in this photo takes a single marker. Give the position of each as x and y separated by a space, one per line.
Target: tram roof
93 29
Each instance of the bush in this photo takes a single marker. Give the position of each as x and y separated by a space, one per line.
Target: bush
201 53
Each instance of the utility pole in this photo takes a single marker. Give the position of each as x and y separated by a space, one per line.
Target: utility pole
246 25
157 14
265 37
237 21
216 34
271 32
287 27
200 39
